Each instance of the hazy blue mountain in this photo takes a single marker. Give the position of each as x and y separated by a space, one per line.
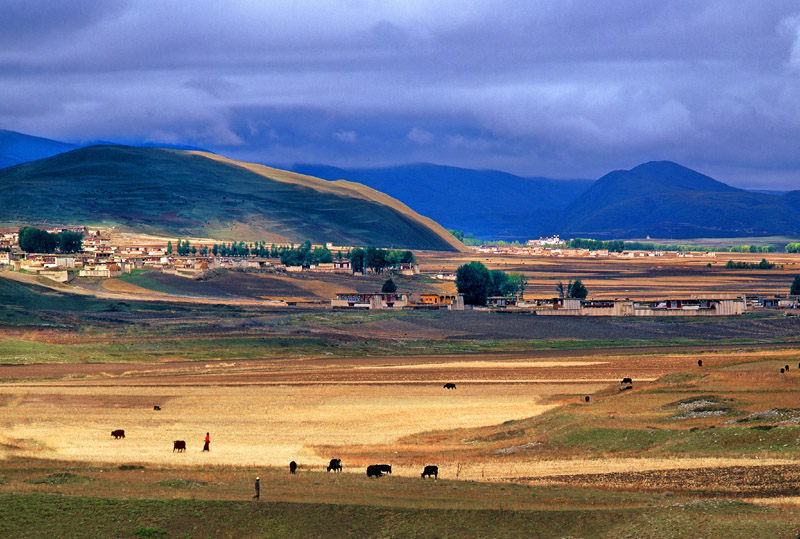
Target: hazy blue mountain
662 199
180 194
488 203
16 148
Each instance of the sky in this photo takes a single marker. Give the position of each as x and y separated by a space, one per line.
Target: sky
555 88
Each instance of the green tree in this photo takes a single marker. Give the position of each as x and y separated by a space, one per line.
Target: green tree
574 289
376 259
389 287
459 234
70 242
407 257
795 289
577 290
473 281
519 281
358 260
36 240
499 285
169 247
321 255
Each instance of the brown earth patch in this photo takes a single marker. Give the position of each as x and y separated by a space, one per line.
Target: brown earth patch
731 481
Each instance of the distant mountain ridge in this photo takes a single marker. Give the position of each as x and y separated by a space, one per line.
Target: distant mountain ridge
488 203
180 194
662 199
16 148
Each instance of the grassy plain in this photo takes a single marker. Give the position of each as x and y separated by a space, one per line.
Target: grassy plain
689 451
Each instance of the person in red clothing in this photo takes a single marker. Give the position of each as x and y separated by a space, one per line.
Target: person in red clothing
208 440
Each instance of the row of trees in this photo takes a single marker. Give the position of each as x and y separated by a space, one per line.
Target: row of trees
613 246
478 283
617 246
36 240
233 249
378 259
305 255
763 265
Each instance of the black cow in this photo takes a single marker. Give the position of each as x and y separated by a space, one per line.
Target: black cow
117 434
292 467
586 398
782 370
431 471
699 362
157 408
178 445
449 385
335 465
385 468
374 470
626 381
787 367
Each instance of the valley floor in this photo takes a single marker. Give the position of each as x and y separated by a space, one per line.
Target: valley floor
688 450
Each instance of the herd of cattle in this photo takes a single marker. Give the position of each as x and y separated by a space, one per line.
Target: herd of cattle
335 465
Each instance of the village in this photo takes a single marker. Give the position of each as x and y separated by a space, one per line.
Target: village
106 254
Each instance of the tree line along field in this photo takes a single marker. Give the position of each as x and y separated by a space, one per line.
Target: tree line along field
688 450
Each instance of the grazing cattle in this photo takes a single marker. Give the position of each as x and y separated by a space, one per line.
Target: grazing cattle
586 398
385 468
787 367
699 362
117 434
626 388
782 370
157 408
178 445
431 471
374 471
449 385
626 381
292 467
335 465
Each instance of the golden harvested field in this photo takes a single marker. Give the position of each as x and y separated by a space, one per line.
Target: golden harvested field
263 413
272 415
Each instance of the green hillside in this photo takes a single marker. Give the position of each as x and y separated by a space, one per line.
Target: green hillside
177 193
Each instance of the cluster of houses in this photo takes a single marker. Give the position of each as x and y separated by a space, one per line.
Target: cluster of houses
548 250
102 259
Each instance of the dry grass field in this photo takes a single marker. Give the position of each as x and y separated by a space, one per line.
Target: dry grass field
271 416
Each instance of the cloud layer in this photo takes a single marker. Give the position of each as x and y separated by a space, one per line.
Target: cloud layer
555 88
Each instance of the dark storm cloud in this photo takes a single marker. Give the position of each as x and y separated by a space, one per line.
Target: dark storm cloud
559 88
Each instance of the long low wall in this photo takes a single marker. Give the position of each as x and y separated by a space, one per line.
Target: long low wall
724 307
